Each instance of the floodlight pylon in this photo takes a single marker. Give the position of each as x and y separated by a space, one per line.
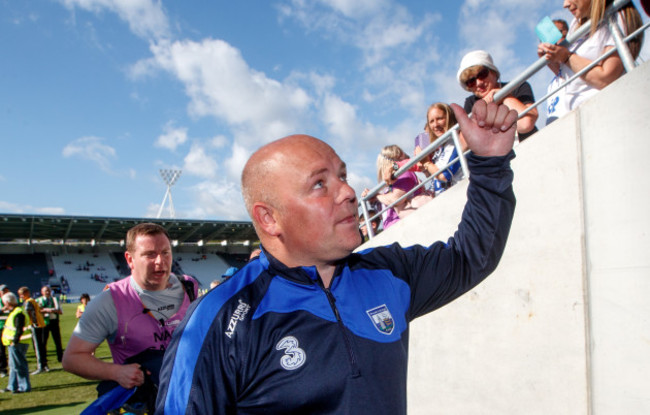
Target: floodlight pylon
170 177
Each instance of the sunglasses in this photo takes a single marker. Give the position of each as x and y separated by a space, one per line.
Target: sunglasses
471 82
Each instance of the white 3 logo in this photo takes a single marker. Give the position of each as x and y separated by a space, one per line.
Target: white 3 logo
294 356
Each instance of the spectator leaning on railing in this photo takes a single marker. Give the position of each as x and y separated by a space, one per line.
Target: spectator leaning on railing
440 118
387 163
572 59
478 75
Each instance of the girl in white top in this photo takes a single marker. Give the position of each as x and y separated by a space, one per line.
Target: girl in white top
568 61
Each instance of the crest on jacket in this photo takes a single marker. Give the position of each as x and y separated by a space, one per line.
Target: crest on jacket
382 319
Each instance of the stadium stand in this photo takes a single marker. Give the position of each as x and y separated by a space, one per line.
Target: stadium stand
86 273
90 272
30 270
206 267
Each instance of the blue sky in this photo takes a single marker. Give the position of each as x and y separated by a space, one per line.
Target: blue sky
97 95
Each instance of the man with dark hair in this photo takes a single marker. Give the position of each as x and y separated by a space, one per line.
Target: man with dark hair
311 327
136 315
37 325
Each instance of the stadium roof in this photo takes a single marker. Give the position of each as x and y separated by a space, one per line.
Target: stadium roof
108 230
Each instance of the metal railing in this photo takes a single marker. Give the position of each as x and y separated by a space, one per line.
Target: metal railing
452 134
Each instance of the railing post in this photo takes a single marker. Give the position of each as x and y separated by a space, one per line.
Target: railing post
366 219
621 46
461 155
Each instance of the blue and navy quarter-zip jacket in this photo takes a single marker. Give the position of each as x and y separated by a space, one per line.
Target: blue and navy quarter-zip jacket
274 340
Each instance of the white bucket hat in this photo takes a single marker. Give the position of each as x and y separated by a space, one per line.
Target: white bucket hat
475 58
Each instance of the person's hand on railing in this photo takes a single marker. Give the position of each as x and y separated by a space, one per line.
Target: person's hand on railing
365 193
556 54
541 52
491 130
490 95
424 163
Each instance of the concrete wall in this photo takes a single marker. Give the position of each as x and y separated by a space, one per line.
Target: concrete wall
562 326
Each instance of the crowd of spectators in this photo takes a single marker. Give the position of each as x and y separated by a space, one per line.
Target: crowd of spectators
24 322
478 74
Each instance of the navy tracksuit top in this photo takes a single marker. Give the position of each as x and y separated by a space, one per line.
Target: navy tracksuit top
273 340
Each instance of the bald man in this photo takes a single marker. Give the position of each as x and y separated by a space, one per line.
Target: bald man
310 327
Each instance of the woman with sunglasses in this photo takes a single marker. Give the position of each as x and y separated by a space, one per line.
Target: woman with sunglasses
479 75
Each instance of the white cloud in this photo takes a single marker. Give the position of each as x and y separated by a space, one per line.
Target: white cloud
220 83
172 138
359 183
9 207
348 134
152 211
199 163
377 28
146 18
221 199
355 9
395 63
235 163
91 148
219 141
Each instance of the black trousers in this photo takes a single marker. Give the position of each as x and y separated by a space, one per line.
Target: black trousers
54 329
3 359
38 340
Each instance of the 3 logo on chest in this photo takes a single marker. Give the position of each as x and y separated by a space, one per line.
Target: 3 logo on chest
294 357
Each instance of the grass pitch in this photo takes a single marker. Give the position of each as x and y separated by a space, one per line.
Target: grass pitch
55 392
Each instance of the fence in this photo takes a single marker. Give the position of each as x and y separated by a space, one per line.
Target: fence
452 134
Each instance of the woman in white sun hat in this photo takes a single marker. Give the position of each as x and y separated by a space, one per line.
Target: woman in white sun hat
479 75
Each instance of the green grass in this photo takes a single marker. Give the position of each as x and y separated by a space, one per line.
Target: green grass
56 392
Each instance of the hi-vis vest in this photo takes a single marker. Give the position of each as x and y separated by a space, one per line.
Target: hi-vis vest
9 331
40 322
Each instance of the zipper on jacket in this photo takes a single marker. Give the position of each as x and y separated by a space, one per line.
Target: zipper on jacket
345 332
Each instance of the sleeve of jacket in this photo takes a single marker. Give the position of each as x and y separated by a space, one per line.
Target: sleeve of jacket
57 305
31 312
443 272
19 323
198 371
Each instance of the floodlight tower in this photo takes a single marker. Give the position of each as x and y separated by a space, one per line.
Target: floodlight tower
170 177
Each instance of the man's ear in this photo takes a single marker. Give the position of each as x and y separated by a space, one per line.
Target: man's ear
266 218
129 259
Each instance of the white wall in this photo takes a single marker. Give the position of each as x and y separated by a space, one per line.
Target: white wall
562 326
